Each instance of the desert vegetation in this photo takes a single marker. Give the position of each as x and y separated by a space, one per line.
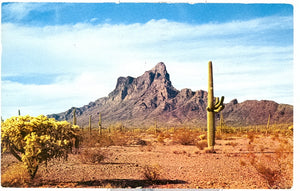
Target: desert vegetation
162 157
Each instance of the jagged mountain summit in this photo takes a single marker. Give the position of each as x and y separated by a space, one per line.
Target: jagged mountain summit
151 97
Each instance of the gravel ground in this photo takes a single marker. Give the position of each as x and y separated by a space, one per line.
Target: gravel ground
179 166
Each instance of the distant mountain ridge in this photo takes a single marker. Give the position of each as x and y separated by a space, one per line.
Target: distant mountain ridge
151 97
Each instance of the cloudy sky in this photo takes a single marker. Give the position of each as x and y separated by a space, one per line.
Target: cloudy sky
59 55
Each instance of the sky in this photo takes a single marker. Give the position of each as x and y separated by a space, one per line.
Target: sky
61 55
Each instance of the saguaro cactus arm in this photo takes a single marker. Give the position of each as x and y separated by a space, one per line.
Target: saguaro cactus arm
219 102
219 109
218 106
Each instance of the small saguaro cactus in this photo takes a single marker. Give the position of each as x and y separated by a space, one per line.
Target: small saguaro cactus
268 124
212 108
90 124
19 112
100 125
74 117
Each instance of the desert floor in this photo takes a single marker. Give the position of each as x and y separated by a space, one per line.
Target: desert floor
256 161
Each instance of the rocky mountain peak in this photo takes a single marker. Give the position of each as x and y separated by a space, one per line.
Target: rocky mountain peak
161 71
151 97
154 81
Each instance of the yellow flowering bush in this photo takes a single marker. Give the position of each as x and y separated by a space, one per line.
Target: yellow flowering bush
36 140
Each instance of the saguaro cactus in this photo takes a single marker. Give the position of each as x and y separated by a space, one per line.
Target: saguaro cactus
268 124
90 124
74 117
212 108
100 124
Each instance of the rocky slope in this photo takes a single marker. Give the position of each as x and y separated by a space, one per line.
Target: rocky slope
151 97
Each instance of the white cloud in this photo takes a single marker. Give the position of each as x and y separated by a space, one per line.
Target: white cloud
92 57
18 11
45 99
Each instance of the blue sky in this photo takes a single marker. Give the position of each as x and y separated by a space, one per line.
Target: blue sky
59 55
127 13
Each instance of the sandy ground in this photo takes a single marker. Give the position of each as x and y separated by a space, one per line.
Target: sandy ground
179 166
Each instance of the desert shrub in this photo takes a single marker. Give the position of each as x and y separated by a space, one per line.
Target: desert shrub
119 138
291 128
141 142
152 172
117 127
105 140
251 136
185 136
15 176
145 145
220 136
201 144
289 131
91 156
36 140
275 168
115 136
171 130
152 130
166 134
90 140
203 136
160 138
272 176
96 140
137 131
